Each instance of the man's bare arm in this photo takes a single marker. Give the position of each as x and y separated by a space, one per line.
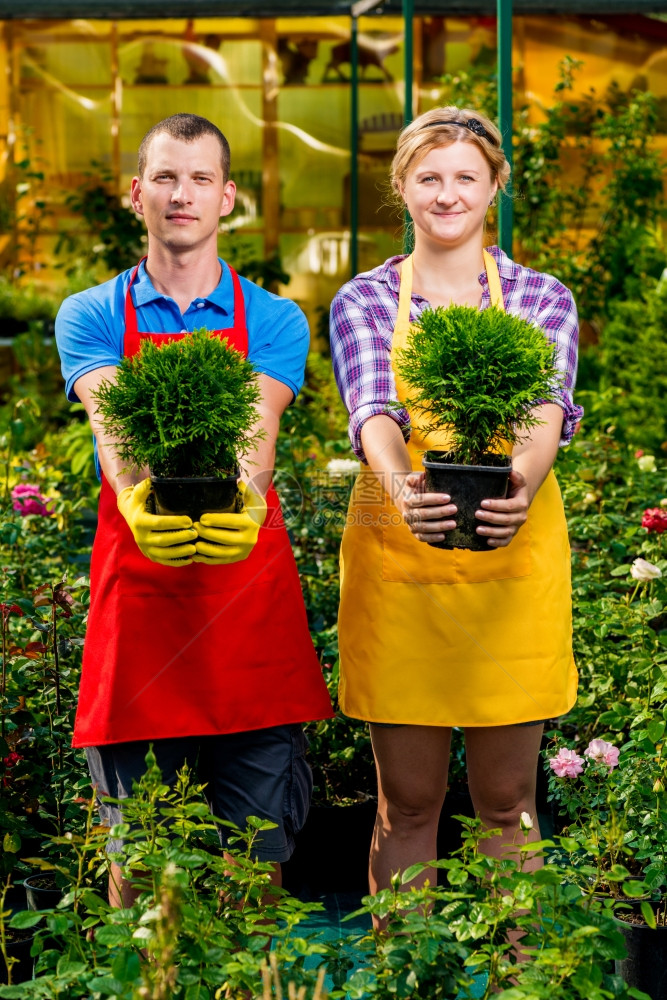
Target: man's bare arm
258 463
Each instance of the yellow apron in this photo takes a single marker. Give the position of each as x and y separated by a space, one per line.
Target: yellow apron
453 638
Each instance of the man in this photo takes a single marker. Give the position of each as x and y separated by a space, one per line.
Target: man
197 639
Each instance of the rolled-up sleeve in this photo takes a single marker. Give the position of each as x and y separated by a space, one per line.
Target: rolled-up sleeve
361 356
557 316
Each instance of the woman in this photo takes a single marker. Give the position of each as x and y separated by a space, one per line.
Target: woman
430 638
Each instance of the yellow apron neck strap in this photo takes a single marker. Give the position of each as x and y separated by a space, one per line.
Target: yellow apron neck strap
492 276
405 293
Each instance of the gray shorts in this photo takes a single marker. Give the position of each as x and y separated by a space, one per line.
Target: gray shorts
262 773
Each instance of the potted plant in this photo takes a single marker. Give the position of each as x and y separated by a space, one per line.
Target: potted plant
476 374
185 410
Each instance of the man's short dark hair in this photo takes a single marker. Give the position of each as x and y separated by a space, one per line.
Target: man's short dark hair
187 128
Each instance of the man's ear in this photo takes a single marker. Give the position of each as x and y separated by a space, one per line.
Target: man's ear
228 199
135 196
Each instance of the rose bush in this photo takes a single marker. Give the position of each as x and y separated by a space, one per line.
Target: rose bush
28 500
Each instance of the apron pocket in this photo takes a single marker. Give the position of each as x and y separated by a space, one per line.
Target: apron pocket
405 560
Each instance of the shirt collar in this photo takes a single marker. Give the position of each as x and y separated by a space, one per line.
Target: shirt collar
222 295
507 269
388 274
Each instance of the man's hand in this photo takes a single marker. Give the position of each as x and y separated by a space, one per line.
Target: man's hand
165 539
230 538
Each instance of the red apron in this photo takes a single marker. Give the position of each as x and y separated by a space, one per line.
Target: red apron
194 650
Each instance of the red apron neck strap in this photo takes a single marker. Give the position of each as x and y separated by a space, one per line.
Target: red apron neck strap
131 345
237 335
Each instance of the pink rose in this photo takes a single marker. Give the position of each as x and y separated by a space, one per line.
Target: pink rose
28 500
603 753
566 764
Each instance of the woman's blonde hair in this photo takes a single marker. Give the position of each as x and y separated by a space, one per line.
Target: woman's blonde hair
442 127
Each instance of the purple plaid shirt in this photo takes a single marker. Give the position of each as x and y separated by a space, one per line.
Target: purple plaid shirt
363 315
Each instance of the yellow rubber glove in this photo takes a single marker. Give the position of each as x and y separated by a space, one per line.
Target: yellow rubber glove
229 538
165 539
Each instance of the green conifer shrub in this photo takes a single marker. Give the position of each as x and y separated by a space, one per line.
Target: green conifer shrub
477 373
182 408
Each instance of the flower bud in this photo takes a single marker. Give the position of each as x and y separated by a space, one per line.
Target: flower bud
658 786
525 822
647 463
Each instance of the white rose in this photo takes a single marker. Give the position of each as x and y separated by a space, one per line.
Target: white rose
644 571
647 463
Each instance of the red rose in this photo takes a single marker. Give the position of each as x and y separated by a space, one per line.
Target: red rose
655 519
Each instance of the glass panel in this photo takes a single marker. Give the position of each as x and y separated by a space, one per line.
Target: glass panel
314 155
68 129
69 63
319 263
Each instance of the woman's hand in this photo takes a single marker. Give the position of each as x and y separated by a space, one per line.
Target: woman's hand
532 460
505 517
427 515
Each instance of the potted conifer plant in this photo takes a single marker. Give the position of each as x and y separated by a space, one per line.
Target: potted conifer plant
475 374
184 409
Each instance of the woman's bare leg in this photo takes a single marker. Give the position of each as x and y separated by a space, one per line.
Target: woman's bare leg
502 776
412 764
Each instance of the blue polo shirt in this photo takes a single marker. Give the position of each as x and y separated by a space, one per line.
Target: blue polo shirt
90 325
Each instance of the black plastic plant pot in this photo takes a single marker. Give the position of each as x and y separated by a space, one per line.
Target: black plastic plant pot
42 892
645 967
467 485
194 497
18 946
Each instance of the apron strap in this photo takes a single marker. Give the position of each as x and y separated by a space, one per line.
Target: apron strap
237 335
493 277
405 291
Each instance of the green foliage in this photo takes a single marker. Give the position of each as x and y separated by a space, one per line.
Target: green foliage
246 257
613 138
583 164
199 926
477 373
632 366
110 226
32 399
203 923
615 818
183 408
618 622
437 937
25 301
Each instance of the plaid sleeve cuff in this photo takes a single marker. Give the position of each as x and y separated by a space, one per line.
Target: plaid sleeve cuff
572 414
359 417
